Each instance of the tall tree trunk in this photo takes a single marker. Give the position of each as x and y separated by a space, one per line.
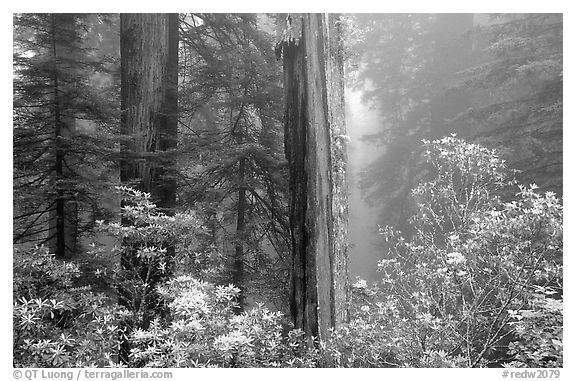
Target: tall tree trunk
164 180
149 59
60 215
238 267
334 62
316 153
149 103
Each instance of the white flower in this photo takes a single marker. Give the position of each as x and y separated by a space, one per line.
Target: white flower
234 339
360 284
441 271
453 237
190 303
365 308
456 258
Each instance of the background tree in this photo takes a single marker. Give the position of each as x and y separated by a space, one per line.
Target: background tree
62 119
315 138
408 64
231 129
474 75
517 88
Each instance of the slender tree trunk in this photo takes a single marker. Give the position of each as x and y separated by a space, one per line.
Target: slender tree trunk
238 268
164 180
60 218
316 153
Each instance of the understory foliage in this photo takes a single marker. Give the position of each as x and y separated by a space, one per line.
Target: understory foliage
55 322
477 283
59 324
146 235
203 331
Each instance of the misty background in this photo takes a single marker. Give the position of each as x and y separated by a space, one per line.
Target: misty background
490 79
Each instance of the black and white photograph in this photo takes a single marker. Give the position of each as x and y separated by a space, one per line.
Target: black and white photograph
286 190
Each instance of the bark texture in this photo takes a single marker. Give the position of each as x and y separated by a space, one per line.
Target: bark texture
149 101
316 153
338 138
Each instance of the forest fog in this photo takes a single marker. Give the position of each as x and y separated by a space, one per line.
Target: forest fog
288 190
428 76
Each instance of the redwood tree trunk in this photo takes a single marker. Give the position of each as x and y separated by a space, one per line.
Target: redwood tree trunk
149 59
316 153
334 62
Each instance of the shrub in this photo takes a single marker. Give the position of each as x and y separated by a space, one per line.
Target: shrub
538 329
56 324
471 264
152 244
378 336
203 331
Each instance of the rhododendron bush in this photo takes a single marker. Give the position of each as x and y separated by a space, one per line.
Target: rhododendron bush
477 271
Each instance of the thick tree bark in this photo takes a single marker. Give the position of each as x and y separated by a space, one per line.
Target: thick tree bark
295 142
149 59
315 149
338 138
